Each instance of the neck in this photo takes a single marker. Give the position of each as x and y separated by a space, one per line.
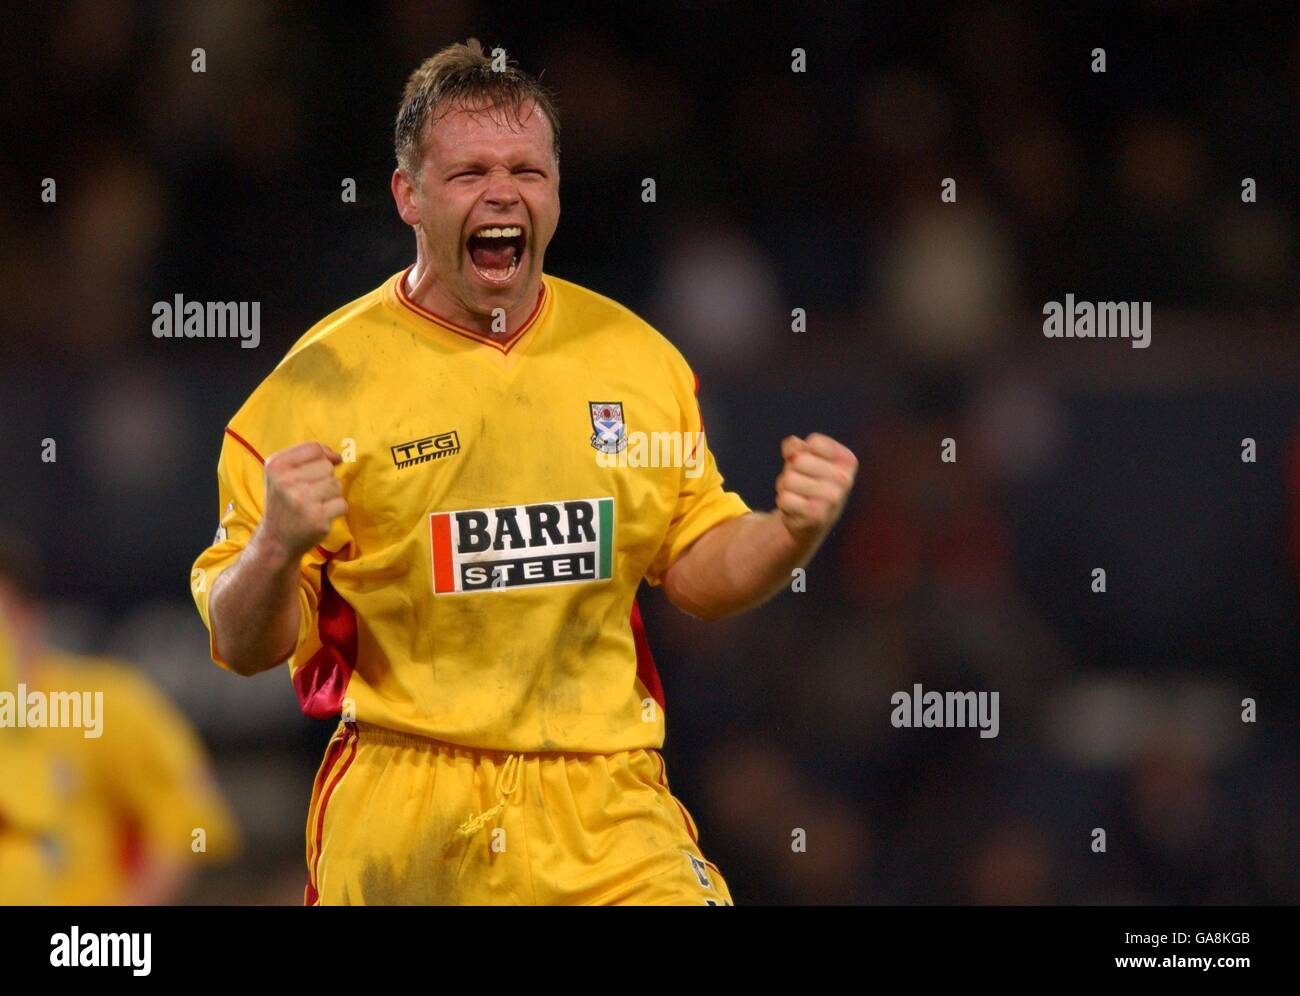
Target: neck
423 287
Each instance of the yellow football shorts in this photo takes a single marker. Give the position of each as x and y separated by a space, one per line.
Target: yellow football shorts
398 819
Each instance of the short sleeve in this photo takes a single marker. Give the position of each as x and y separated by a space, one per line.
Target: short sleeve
242 496
701 502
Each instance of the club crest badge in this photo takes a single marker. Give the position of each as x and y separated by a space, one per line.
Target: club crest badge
610 435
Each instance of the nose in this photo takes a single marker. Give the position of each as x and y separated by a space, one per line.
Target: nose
501 190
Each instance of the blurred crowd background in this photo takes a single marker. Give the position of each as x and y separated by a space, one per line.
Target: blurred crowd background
776 190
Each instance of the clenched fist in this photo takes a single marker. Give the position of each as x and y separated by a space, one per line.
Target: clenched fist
302 497
812 488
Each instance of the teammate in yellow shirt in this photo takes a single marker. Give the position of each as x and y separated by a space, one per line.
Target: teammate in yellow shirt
127 803
27 803
438 508
140 811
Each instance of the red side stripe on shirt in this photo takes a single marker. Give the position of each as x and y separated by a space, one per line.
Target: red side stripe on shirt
646 671
323 680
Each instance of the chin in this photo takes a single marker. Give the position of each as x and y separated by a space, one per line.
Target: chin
484 298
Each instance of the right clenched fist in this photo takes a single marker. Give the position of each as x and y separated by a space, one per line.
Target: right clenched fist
302 497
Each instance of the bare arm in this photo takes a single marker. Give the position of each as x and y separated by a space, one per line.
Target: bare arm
253 605
254 608
743 562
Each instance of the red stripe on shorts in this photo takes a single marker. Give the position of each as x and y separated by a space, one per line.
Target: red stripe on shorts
312 892
663 780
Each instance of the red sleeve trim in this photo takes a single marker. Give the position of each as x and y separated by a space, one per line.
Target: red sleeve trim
245 443
251 449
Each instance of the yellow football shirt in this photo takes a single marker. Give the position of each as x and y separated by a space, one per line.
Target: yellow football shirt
142 786
28 803
505 500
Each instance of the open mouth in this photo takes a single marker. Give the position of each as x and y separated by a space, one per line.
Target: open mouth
495 252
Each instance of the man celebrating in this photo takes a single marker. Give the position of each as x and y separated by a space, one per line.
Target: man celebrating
443 543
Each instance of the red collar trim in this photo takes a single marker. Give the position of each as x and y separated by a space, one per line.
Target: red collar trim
503 345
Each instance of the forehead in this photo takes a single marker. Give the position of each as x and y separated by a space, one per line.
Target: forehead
488 133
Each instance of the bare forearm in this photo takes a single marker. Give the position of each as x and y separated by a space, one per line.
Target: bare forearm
743 562
253 608
737 565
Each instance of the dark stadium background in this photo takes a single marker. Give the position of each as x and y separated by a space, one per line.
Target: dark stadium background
775 190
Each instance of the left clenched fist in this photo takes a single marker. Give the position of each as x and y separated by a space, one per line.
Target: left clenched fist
814 484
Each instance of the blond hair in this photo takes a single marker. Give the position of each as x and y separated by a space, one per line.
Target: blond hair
462 76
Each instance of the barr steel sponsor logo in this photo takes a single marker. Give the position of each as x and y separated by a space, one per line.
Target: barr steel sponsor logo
444 444
522 546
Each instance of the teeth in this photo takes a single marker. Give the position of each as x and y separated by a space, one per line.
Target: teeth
509 232
495 274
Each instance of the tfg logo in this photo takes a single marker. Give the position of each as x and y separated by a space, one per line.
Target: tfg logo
520 546
444 444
